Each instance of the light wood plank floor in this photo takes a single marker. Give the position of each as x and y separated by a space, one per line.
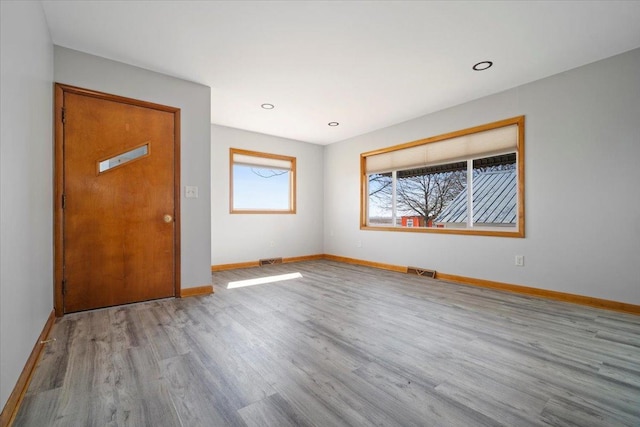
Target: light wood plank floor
343 345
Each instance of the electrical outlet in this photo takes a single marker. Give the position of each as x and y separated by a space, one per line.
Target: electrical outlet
272 243
191 192
519 261
359 244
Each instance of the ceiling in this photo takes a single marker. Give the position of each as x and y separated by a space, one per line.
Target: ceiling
365 64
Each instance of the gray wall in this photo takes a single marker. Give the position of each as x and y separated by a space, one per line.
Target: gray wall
249 237
26 251
582 192
582 187
194 100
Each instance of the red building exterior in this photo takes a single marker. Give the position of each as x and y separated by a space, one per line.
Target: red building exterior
415 221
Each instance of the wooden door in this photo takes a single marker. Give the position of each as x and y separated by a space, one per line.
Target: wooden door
119 242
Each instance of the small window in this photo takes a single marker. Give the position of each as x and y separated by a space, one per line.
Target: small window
262 182
122 158
465 182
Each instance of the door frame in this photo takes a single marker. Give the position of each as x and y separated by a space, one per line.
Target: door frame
58 183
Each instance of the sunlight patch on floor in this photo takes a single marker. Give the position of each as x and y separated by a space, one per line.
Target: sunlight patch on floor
263 280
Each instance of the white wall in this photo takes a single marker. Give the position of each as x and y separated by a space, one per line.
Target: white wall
249 237
194 100
26 251
582 187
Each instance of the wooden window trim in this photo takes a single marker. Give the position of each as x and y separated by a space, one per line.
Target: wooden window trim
292 182
484 231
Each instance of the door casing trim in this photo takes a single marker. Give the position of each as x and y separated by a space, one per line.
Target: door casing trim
58 183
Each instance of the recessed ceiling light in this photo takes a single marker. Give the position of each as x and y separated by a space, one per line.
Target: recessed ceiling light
333 123
481 66
268 106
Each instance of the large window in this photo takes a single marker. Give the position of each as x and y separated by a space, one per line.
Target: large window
262 182
466 182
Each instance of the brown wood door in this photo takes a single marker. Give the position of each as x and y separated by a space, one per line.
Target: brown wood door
119 230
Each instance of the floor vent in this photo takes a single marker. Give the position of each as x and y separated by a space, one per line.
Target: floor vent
421 272
270 261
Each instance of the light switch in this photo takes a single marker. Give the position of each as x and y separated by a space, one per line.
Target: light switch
191 191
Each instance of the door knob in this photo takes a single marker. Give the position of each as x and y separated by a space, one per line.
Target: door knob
168 218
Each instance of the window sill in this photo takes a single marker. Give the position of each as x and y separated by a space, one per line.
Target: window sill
463 232
268 212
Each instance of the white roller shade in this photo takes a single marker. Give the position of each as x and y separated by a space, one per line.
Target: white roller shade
489 142
263 162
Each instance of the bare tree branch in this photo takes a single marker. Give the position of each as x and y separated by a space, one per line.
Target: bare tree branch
268 173
427 195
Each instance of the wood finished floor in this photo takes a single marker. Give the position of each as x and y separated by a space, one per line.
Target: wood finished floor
343 345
